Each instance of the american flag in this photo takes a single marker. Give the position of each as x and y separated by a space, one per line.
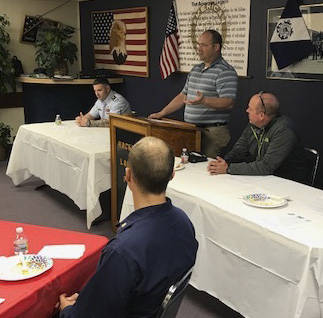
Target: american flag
135 20
169 58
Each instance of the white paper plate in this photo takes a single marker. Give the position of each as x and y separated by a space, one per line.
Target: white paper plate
180 166
262 200
11 268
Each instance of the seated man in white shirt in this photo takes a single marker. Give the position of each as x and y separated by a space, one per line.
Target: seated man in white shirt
108 102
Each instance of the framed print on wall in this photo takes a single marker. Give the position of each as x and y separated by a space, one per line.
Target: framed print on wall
310 68
231 18
34 26
120 41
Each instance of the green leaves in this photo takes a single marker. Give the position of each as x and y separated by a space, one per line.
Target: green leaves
5 134
4 35
53 47
7 73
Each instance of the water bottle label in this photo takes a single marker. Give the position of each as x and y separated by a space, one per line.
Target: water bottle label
184 158
21 247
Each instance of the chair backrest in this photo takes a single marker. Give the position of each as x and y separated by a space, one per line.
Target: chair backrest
312 159
174 297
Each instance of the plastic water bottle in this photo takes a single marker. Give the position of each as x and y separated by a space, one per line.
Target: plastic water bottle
20 244
184 156
58 120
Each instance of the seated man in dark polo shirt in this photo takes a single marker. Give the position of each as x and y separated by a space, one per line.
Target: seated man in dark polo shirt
154 246
208 95
268 145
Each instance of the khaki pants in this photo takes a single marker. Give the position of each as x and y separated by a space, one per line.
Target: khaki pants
214 139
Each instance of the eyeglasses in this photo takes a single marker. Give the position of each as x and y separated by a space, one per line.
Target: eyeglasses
262 101
204 44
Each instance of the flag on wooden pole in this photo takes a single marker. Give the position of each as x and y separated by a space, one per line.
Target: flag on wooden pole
169 58
291 41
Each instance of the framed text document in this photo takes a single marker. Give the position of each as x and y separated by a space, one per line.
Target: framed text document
231 18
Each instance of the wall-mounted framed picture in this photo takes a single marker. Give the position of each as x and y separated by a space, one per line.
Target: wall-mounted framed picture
231 18
120 41
30 29
310 68
33 27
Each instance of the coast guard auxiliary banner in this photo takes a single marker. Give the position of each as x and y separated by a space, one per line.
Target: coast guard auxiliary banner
229 17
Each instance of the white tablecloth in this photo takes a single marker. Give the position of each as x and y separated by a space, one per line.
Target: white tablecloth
264 263
73 160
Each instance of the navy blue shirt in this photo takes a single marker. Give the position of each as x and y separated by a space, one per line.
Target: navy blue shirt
153 248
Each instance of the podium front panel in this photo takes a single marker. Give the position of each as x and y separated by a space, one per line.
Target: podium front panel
124 141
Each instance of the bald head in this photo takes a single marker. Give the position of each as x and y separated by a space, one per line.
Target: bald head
152 163
271 103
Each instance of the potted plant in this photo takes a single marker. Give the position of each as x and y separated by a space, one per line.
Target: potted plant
5 140
7 73
54 50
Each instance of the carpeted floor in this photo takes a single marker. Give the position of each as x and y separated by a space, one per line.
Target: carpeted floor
36 204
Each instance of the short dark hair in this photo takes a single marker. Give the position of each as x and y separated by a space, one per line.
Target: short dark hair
152 164
101 80
216 37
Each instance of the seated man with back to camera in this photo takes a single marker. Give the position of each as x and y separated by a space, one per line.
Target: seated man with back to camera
268 145
154 246
108 102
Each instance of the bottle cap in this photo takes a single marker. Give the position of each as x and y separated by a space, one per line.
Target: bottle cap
19 230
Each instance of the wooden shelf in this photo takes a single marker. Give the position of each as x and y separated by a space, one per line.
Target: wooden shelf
78 81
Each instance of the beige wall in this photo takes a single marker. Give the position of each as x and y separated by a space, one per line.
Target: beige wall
14 117
16 10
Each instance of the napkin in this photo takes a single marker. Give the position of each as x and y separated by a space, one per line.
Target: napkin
64 251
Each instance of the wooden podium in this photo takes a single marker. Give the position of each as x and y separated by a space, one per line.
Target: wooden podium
126 130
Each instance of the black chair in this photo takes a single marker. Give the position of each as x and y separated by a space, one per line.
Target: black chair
312 160
174 297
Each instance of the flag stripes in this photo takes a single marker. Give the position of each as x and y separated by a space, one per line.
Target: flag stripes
169 59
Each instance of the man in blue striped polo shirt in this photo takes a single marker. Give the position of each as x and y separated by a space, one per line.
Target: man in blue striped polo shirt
208 95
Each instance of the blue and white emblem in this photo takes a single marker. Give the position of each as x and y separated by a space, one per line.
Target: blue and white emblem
284 29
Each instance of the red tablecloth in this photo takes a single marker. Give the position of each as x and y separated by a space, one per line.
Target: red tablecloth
36 297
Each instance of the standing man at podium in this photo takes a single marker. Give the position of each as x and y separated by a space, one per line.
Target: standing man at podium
208 95
108 102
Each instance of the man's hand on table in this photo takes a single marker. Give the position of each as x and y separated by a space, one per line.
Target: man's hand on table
218 166
65 301
155 116
82 120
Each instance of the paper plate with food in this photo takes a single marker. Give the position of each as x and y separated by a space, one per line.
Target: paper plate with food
263 200
21 267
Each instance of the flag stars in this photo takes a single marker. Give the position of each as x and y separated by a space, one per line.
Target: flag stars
171 24
101 27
